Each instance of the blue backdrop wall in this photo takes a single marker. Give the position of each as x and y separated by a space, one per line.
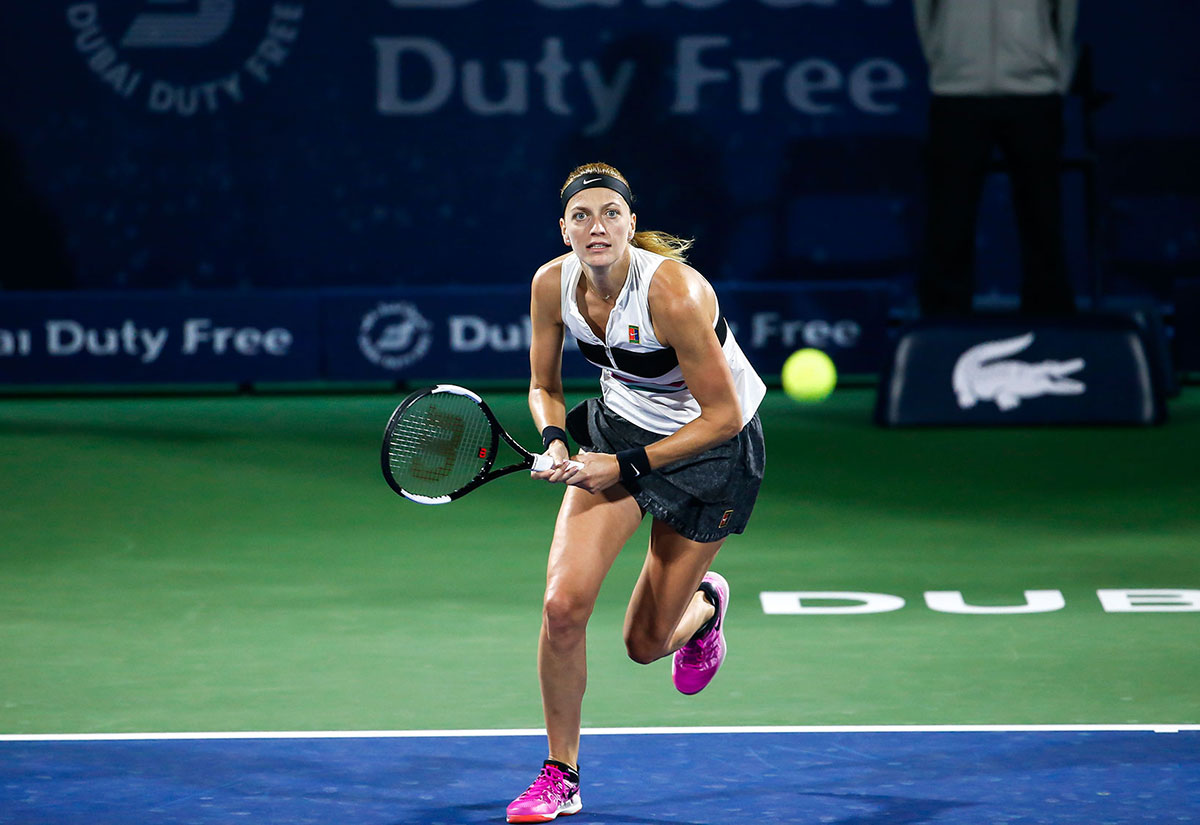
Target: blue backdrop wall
240 144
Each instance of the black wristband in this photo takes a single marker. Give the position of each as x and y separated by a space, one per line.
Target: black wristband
551 434
633 463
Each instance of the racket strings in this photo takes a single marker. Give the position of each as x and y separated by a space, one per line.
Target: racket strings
439 444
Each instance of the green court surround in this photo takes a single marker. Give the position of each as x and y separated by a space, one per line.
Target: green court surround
237 563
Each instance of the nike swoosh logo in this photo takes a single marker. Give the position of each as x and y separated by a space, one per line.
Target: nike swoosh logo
636 471
593 180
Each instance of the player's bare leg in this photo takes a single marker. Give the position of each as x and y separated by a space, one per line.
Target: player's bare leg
589 534
666 608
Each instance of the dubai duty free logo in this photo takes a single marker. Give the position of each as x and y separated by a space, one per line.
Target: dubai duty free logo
184 57
394 335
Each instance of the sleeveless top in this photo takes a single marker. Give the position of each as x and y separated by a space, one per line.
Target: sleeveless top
641 380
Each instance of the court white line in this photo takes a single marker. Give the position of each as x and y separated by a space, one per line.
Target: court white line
428 734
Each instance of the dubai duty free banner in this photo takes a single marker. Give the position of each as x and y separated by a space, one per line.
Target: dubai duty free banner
452 333
229 143
480 333
135 337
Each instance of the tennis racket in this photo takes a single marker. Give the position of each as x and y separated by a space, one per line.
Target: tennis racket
441 443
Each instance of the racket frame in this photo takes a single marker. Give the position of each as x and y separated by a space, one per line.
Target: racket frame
486 473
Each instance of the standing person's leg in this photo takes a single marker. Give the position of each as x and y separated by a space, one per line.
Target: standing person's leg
957 154
590 531
1032 139
589 534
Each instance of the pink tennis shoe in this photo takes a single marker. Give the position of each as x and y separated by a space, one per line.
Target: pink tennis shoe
696 663
554 793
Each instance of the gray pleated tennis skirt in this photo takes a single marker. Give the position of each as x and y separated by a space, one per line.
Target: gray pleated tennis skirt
705 497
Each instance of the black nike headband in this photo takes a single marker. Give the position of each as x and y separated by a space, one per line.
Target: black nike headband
596 180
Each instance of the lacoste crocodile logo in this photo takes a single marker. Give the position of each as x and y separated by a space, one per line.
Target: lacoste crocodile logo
981 375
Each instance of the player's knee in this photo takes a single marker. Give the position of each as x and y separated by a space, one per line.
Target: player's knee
565 615
643 649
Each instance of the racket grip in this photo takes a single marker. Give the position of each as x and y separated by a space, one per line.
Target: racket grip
543 462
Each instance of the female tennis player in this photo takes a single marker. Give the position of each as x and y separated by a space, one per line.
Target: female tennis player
674 434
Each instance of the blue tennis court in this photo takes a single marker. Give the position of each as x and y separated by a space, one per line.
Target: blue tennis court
965 776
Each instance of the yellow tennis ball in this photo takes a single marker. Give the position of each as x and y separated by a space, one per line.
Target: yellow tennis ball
809 375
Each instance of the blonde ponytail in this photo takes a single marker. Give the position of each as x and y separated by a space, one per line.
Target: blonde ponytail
662 243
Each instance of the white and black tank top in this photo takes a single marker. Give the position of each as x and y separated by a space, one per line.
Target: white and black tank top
641 380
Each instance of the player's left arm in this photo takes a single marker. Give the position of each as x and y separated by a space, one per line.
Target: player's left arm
682 304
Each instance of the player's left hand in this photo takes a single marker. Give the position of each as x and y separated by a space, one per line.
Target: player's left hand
563 468
597 471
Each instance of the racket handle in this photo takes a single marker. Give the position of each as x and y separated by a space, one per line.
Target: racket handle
543 462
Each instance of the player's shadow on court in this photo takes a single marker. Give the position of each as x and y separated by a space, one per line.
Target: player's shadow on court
886 810
889 810
487 812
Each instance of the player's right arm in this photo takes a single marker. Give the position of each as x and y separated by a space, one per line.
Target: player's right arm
547 401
